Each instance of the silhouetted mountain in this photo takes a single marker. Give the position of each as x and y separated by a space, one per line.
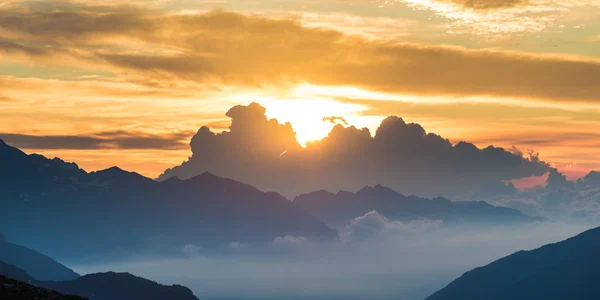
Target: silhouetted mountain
102 286
341 208
55 206
39 266
565 270
120 286
11 289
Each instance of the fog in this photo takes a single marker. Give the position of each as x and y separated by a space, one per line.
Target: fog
374 259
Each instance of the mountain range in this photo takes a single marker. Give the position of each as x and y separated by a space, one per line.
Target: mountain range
342 207
56 206
80 216
566 270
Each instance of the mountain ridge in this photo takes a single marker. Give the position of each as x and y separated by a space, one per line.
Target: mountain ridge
344 206
569 269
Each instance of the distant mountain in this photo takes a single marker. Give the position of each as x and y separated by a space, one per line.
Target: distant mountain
69 213
341 208
11 289
102 286
39 266
565 270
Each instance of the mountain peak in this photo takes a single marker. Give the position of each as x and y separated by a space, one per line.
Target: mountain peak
116 173
208 174
378 190
205 177
113 169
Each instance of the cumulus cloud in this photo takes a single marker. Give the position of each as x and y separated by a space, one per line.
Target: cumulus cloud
208 47
400 155
374 225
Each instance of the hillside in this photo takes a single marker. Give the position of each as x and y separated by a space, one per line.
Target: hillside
565 270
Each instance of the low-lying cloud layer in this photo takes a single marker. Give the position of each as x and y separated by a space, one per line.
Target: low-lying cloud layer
375 225
265 153
406 261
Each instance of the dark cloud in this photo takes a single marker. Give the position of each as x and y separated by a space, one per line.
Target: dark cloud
55 20
100 140
401 155
209 48
9 46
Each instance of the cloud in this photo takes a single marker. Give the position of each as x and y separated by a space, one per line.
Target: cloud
374 225
335 120
191 250
488 4
207 48
406 267
99 140
290 243
503 19
403 156
560 200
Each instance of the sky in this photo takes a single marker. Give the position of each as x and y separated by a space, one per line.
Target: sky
129 83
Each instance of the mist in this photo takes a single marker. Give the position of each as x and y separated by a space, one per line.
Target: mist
374 259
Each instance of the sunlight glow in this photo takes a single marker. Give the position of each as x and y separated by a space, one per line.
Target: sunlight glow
306 115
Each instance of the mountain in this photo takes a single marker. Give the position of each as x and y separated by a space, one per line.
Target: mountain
341 208
75 215
565 270
13 272
120 286
12 289
39 266
102 286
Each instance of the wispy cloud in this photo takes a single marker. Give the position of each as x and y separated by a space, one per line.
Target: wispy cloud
100 140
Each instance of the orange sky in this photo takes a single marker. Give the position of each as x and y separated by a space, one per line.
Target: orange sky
107 83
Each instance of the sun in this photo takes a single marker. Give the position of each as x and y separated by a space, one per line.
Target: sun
306 115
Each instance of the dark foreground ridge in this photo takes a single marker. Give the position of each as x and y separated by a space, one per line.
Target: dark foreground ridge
565 270
12 289
16 284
